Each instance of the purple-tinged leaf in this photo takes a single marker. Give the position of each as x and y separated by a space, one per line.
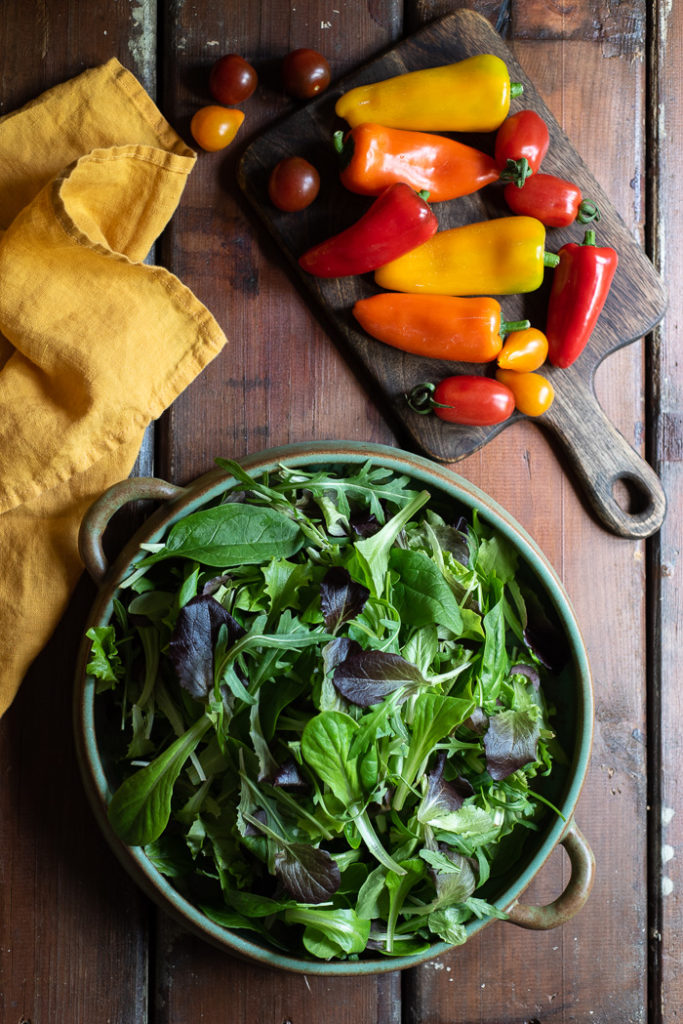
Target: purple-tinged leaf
365 524
215 583
510 742
288 776
339 650
448 796
309 874
341 599
368 677
192 643
478 721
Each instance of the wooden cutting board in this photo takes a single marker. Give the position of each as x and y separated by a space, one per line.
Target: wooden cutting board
598 453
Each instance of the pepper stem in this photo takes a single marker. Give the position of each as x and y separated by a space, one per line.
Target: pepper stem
508 326
589 238
516 171
588 211
343 148
420 398
550 259
516 89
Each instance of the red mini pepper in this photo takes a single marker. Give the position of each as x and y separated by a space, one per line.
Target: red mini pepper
523 136
580 287
399 220
554 201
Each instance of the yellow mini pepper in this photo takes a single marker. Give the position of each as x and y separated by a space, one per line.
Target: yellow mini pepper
472 95
503 256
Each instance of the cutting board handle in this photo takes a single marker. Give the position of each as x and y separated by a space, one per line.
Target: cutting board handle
601 458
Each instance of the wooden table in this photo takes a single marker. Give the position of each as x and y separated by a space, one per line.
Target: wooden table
78 941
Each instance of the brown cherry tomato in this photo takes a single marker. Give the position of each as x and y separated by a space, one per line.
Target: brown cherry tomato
293 184
215 127
305 73
232 80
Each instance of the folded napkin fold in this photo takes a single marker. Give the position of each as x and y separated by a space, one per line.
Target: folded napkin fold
97 343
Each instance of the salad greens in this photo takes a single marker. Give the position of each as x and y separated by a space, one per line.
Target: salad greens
331 711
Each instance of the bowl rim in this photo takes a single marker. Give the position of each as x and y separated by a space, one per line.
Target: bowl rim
196 494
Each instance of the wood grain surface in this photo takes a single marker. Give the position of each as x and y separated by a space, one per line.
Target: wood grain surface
78 941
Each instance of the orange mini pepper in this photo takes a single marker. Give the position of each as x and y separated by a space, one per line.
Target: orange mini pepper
437 326
374 156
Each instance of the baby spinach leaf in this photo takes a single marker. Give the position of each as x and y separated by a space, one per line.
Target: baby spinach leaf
192 643
421 593
510 742
325 745
341 598
141 806
232 534
367 677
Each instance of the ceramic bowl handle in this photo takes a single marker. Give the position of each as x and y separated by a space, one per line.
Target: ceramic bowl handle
101 511
574 896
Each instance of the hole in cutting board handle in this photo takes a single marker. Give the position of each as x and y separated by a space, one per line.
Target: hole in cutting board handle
631 495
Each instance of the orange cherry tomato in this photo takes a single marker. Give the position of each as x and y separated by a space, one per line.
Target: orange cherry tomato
523 351
532 392
215 127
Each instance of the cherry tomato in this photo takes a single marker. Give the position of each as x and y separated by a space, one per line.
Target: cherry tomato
524 351
232 80
522 136
293 184
214 127
305 73
532 392
467 399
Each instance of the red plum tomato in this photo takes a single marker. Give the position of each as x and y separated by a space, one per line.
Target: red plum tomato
232 80
215 127
293 184
305 73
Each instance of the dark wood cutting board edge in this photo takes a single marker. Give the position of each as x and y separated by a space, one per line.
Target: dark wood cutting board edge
597 452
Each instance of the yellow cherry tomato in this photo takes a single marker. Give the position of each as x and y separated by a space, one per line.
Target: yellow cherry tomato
533 393
524 350
215 127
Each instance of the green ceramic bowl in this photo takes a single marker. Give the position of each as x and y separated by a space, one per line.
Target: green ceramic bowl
573 699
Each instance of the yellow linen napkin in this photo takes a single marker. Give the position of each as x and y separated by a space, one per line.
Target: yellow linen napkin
96 343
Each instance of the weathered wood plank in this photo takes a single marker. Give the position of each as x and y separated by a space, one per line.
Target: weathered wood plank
666 386
70 920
